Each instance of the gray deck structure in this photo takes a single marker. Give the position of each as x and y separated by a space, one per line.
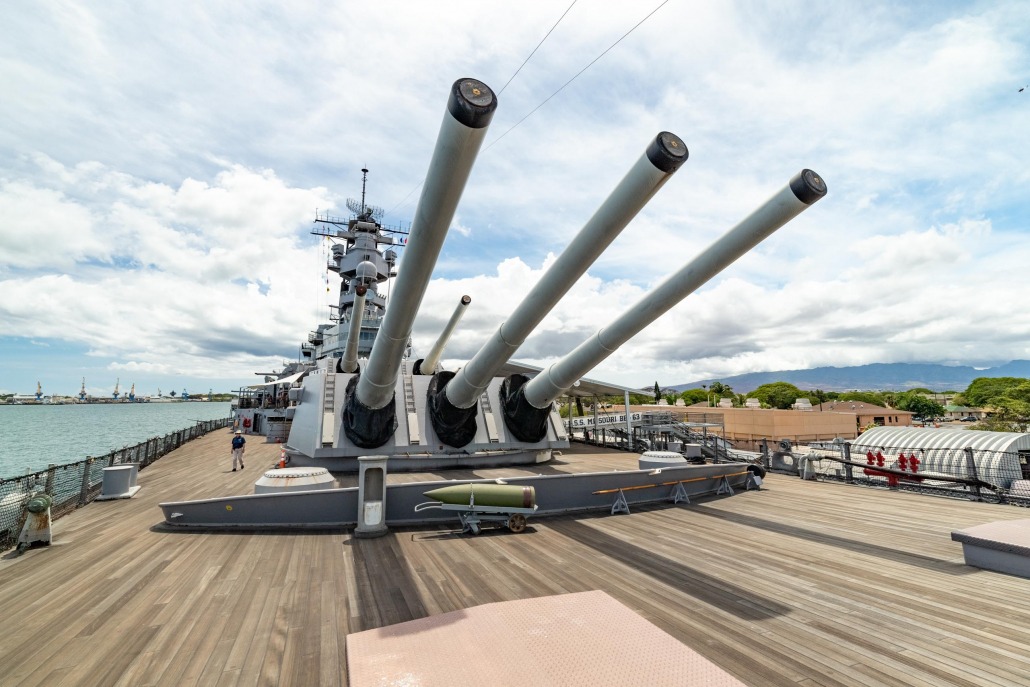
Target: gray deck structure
1002 546
800 583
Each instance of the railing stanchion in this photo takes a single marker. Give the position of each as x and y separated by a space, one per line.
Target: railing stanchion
973 473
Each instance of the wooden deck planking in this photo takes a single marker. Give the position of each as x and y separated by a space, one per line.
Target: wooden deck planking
856 593
799 583
801 640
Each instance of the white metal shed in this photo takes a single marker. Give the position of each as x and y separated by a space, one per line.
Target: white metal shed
996 454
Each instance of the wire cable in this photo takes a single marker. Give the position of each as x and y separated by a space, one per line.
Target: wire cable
562 87
536 48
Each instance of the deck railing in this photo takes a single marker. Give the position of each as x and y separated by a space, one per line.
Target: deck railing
73 485
965 472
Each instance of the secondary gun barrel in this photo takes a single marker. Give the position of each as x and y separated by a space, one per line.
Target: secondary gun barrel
803 190
469 110
663 156
427 365
349 363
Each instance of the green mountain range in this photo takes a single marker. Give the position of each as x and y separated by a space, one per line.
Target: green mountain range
877 376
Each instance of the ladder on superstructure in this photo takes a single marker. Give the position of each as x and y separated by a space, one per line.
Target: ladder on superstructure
488 416
329 410
409 406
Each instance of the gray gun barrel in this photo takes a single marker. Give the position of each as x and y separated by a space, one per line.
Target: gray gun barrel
469 110
803 190
427 365
357 312
663 157
369 414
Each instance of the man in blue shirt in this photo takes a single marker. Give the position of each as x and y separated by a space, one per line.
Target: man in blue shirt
237 449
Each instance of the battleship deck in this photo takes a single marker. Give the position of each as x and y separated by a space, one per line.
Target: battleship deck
800 583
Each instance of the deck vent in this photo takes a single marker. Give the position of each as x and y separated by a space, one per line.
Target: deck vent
294 479
661 459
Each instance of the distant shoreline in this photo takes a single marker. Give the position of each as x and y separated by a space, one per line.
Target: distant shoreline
108 402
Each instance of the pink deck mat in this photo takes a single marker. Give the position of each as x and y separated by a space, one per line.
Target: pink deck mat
587 638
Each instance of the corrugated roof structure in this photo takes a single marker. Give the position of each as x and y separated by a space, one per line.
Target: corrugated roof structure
943 451
925 438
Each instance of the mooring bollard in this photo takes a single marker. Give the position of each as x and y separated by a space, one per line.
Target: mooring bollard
36 529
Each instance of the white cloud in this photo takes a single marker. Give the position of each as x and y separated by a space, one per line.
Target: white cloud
160 168
41 228
181 267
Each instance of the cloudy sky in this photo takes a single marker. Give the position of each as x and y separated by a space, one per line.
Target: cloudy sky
161 164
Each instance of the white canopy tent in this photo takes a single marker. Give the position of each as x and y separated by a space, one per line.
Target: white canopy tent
285 380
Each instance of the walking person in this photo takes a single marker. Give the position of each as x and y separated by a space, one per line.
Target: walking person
237 449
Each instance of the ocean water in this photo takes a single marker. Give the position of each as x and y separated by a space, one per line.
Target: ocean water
32 437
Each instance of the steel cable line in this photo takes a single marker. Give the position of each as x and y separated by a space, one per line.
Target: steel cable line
536 48
576 76
560 88
506 83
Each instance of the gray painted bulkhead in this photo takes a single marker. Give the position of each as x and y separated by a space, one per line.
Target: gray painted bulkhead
414 446
555 495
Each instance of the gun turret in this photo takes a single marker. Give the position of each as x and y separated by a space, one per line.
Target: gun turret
349 363
452 397
526 403
427 365
369 417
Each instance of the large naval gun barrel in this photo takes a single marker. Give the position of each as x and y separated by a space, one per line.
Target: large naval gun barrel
349 363
452 397
369 416
526 404
427 365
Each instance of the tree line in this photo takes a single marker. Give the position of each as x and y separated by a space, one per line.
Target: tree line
1005 399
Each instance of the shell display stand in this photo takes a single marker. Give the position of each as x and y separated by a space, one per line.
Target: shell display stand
473 515
119 482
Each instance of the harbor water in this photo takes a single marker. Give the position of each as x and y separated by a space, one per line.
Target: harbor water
35 436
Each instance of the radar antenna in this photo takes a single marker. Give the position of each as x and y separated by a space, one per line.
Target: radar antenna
360 209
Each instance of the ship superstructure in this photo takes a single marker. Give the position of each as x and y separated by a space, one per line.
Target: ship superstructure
364 255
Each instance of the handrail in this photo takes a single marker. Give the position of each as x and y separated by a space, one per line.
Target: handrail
73 485
882 471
